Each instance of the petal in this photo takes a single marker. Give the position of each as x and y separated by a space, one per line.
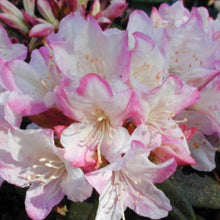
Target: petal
11 51
147 63
74 184
140 22
174 145
138 165
149 138
203 152
29 145
210 107
74 139
118 144
110 207
94 87
40 199
149 202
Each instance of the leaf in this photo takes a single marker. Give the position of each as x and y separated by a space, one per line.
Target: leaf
181 208
82 211
201 192
198 217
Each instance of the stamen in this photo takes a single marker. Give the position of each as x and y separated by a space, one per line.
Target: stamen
181 121
46 170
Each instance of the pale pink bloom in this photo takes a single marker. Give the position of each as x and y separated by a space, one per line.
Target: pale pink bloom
128 182
32 82
29 157
207 21
194 64
100 113
180 43
164 103
81 47
9 51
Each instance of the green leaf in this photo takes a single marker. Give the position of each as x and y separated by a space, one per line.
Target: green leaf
198 217
181 208
82 211
201 192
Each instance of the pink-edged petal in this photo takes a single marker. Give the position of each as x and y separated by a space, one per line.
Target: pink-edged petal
147 63
175 15
144 168
40 199
24 105
174 145
92 86
94 97
140 22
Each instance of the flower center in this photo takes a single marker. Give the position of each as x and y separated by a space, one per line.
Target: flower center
101 132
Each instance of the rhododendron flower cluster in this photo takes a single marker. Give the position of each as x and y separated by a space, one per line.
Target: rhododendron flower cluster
112 110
